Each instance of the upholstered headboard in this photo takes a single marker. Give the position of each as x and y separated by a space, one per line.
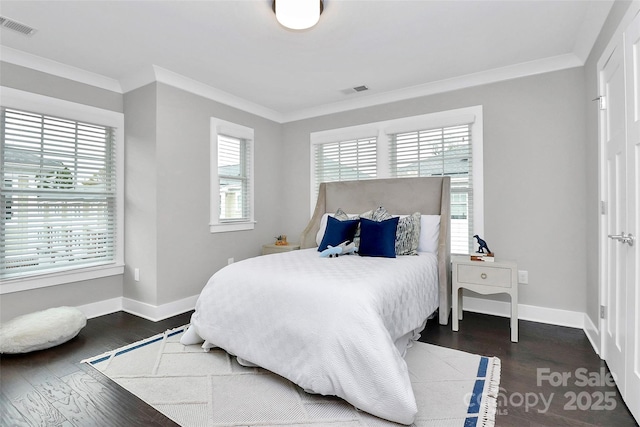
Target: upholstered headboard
401 196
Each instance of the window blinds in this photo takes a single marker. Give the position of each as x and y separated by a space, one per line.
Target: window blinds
233 172
348 160
58 194
438 152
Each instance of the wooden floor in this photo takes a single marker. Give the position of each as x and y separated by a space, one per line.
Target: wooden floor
549 349
51 387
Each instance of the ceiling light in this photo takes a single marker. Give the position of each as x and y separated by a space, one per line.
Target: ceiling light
298 14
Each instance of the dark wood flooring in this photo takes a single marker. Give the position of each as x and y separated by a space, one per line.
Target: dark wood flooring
553 350
51 387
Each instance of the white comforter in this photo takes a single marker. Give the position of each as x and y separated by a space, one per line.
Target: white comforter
329 325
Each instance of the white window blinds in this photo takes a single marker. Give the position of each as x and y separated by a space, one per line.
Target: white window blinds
437 152
234 178
347 160
58 194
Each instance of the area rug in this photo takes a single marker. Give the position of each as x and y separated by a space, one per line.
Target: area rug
198 388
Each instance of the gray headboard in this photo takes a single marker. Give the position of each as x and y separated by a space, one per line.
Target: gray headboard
401 196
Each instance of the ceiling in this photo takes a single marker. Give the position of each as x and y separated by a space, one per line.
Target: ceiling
236 50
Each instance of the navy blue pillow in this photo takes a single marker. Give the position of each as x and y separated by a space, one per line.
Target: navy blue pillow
378 238
338 231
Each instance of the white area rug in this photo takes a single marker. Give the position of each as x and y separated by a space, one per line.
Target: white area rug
197 388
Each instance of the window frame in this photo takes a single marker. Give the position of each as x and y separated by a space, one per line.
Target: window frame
468 115
229 129
340 149
41 104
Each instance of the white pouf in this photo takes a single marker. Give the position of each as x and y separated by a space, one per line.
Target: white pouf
40 330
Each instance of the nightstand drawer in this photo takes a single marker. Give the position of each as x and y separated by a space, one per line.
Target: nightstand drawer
484 275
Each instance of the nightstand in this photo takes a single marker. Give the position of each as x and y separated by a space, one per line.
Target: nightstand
274 249
500 276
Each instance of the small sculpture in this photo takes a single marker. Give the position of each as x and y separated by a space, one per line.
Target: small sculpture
483 245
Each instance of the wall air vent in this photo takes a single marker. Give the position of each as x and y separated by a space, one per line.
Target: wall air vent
10 24
360 88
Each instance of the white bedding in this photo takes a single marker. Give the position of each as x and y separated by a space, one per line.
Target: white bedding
330 325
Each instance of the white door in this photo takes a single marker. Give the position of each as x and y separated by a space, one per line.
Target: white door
613 134
632 60
619 71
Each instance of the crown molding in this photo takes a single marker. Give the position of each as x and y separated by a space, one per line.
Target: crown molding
154 73
189 85
138 79
525 69
38 63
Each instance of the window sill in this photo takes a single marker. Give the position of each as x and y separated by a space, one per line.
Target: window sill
235 226
19 284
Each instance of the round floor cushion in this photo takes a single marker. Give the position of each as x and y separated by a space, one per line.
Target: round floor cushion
40 330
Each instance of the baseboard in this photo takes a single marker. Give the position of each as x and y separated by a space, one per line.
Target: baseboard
100 308
137 308
160 312
593 334
553 316
533 313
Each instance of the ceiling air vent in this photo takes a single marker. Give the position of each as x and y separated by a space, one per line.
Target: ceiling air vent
10 24
352 90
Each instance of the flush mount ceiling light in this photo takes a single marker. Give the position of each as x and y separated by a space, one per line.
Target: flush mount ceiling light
298 14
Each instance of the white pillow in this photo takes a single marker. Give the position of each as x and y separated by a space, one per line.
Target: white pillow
40 330
323 228
429 233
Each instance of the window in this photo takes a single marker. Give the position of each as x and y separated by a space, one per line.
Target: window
61 199
232 186
345 160
447 143
438 152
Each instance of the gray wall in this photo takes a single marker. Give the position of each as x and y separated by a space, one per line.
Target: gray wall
534 175
540 160
168 200
29 80
166 193
78 293
141 170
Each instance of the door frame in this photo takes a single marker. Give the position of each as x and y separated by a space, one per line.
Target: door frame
616 40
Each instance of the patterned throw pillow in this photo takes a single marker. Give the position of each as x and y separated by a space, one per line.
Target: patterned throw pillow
342 216
408 235
378 215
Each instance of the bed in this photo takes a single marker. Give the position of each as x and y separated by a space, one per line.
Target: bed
337 326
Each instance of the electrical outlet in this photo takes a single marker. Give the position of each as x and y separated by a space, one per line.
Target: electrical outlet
136 274
230 261
523 277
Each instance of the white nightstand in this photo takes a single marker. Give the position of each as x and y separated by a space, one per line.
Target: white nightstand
274 249
500 276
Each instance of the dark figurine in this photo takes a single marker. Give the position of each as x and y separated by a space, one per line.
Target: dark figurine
483 246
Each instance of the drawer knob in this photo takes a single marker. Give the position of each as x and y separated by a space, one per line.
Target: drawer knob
483 275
